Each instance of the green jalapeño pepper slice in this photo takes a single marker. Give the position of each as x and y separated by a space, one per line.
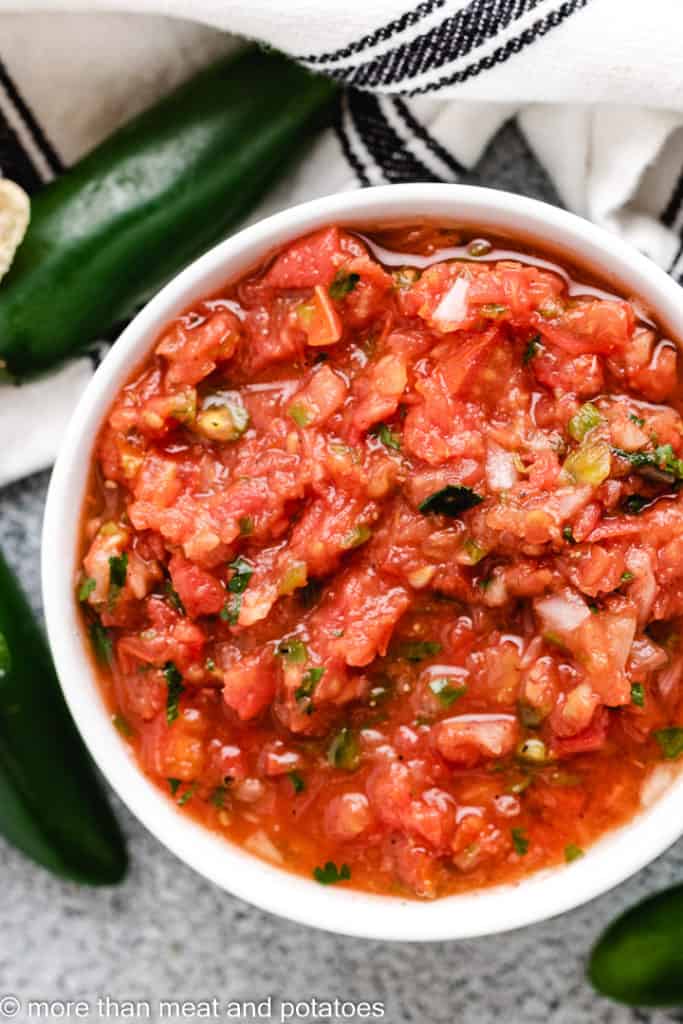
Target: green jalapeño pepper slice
52 806
157 193
639 958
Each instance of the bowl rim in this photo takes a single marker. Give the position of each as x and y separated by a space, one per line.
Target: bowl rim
488 911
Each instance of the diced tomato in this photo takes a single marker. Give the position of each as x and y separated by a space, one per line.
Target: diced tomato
593 737
311 261
200 592
250 685
382 561
193 351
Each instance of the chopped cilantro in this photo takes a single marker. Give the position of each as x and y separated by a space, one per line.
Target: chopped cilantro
634 504
662 461
531 349
418 650
568 535
520 841
187 795
174 681
343 751
297 781
292 650
242 571
446 693
638 420
309 681
572 852
386 435
86 588
671 741
174 785
118 566
638 694
101 642
626 577
451 500
173 597
218 796
329 874
342 284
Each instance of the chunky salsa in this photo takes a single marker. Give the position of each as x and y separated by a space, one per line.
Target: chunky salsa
383 560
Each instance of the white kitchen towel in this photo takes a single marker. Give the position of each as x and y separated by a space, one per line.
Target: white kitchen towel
596 86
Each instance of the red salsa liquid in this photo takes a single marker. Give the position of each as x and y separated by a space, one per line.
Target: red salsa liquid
383 560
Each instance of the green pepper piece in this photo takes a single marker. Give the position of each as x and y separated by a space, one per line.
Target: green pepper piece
638 959
52 805
161 190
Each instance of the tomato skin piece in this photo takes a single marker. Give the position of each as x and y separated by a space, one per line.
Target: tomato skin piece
309 262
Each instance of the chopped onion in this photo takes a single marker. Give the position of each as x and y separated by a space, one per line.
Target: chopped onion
452 309
646 656
655 784
621 630
563 613
669 680
567 501
260 844
643 588
501 472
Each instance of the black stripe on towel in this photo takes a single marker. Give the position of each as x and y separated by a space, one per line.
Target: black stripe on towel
511 48
381 141
421 132
380 35
15 163
671 209
340 131
454 38
31 124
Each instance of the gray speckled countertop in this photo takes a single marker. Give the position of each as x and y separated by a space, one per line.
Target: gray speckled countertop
167 933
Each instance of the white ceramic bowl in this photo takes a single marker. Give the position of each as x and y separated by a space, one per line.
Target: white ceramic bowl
337 909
